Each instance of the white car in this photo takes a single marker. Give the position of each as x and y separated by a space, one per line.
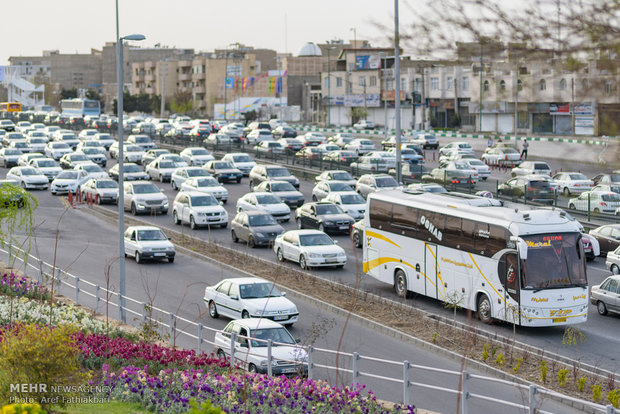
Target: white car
104 139
251 347
68 138
56 150
148 242
364 124
427 141
284 190
269 147
180 175
175 158
309 248
133 153
143 141
501 156
47 166
241 161
325 188
361 146
101 190
342 139
161 169
458 146
258 135
407 155
37 144
250 297
68 181
314 138
131 172
336 175
196 156
95 155
483 170
96 145
28 178
207 185
573 183
24 160
9 157
599 201
352 203
388 157
266 202
531 168
144 197
87 134
217 138
93 170
198 209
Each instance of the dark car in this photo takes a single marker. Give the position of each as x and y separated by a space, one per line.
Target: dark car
357 233
284 132
256 228
261 172
224 171
291 145
538 190
68 161
324 216
608 237
341 156
413 170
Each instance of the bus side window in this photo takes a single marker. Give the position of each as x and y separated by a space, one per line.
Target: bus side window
380 214
467 240
498 238
453 236
481 238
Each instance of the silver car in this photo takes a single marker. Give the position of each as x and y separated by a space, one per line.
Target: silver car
606 296
144 197
254 227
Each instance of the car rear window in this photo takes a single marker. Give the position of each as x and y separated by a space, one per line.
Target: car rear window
542 185
541 166
611 197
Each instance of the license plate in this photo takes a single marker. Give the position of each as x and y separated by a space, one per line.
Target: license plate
344 227
280 318
288 370
159 254
559 320
331 261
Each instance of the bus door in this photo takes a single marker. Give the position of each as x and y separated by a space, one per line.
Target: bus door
430 269
508 271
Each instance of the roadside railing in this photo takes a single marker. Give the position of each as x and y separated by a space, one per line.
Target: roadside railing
176 326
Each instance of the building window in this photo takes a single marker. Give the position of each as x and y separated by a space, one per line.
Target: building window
434 83
449 83
465 83
562 84
519 85
585 85
373 81
418 85
485 86
361 81
326 82
543 85
502 85
608 87
349 87
339 82
403 84
390 84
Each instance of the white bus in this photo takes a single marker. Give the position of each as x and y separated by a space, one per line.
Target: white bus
521 266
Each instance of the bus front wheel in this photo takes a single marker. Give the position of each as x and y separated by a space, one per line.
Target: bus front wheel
400 283
484 309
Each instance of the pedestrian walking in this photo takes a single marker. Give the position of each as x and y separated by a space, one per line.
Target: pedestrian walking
490 142
526 145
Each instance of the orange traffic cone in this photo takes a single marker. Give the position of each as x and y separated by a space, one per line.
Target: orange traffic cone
70 199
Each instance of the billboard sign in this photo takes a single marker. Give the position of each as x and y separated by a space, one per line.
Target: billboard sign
367 62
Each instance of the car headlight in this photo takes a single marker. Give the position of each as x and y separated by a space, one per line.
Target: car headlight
328 222
200 214
165 204
315 255
293 310
341 254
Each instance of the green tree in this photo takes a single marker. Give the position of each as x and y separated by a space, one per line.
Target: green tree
250 116
17 208
181 103
357 114
68 93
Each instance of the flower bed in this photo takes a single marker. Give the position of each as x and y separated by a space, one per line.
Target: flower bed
12 284
171 390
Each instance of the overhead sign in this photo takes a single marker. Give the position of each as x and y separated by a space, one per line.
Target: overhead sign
367 62
233 70
371 100
585 108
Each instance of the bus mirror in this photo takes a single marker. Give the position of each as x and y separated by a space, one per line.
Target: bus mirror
521 246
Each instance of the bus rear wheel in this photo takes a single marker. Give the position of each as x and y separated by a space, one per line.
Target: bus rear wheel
484 309
400 283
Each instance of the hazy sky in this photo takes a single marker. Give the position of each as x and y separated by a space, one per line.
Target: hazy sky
71 26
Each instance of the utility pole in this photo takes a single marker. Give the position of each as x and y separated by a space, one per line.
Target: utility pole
163 88
516 95
480 98
385 121
225 81
329 88
423 98
572 109
397 94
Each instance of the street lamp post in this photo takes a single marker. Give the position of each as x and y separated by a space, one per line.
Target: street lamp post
121 198
383 68
397 93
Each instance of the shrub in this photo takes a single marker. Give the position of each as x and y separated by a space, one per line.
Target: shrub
500 360
613 397
542 367
11 284
33 355
581 383
22 409
204 408
485 352
562 377
518 365
596 393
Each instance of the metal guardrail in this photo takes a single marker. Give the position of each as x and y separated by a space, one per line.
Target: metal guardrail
170 321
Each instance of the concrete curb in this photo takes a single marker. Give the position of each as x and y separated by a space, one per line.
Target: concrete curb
383 328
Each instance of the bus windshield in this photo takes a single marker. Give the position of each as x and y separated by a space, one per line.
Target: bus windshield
554 261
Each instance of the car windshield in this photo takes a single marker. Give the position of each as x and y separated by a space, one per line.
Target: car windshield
60 145
267 199
277 335
11 151
92 168
278 172
578 176
68 137
145 189
79 157
258 290
476 162
91 151
262 220
461 166
166 164
207 182
615 178
151 235
203 201
541 166
613 197
142 140
340 187
103 136
542 185
174 158
509 151
107 184
386 182
328 209
366 142
37 141
352 199
131 168
200 151
198 172
242 158
282 187
222 165
46 163
315 240
553 261
29 171
68 175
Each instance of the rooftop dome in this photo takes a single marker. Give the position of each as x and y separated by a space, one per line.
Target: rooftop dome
310 49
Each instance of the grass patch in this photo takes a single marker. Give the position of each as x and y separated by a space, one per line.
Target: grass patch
114 407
